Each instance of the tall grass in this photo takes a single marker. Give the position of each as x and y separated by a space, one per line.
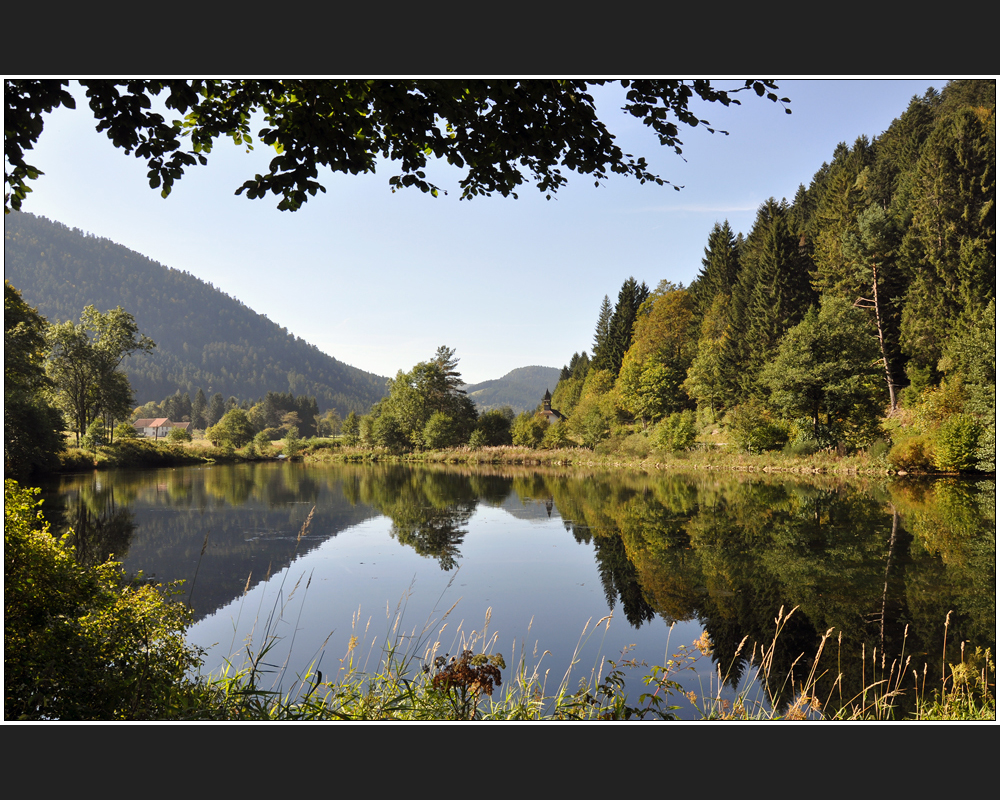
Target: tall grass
416 676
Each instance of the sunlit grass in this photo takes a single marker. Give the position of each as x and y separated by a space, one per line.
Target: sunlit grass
440 671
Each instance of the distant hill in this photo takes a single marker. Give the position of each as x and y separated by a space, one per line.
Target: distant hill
204 338
521 389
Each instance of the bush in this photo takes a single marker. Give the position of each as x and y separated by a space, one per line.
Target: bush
94 437
293 443
913 454
752 429
441 431
676 432
81 643
125 430
178 435
955 445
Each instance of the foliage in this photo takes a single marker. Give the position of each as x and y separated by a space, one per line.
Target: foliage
178 435
676 433
349 125
556 436
350 429
826 365
32 425
912 454
955 445
493 428
233 430
655 366
82 643
94 437
705 382
752 428
462 681
293 442
400 420
83 365
125 430
441 432
528 430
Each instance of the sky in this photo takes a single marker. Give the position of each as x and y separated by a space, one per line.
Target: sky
379 279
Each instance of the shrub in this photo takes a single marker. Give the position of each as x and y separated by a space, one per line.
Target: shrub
440 431
676 432
178 435
293 443
94 437
124 430
81 643
752 429
955 445
913 454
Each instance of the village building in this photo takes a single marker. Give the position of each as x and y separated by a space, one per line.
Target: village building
157 428
550 414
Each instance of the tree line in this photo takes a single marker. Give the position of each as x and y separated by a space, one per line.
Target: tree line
861 312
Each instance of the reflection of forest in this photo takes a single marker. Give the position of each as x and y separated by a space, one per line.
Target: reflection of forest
220 529
879 563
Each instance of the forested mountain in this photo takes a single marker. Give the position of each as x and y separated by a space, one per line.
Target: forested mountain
204 338
521 389
860 313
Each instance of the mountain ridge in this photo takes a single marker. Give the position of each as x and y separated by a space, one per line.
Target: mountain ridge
205 338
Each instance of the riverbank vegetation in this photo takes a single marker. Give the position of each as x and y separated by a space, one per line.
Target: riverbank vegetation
130 662
851 330
57 604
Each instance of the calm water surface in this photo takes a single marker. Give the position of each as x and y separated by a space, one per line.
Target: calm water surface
319 554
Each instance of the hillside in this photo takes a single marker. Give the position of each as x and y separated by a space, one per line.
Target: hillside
204 338
521 389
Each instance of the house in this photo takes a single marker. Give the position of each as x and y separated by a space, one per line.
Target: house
157 428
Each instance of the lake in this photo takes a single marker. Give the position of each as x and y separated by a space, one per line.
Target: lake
316 554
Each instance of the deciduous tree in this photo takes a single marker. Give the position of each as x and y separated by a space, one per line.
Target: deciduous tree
496 131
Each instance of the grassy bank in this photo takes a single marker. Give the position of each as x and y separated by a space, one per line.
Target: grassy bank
623 458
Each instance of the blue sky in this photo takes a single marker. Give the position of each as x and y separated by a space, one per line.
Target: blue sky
379 279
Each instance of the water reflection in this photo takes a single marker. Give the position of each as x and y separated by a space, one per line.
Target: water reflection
879 563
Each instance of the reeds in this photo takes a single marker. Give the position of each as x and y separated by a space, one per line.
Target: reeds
415 676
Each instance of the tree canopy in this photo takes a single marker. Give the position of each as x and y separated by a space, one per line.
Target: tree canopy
494 130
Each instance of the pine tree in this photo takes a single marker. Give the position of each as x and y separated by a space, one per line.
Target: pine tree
199 407
602 336
950 247
772 295
631 296
720 268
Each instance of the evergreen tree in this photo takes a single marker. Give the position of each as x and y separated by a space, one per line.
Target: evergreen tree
199 411
602 337
950 247
631 296
720 268
216 409
825 366
771 296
